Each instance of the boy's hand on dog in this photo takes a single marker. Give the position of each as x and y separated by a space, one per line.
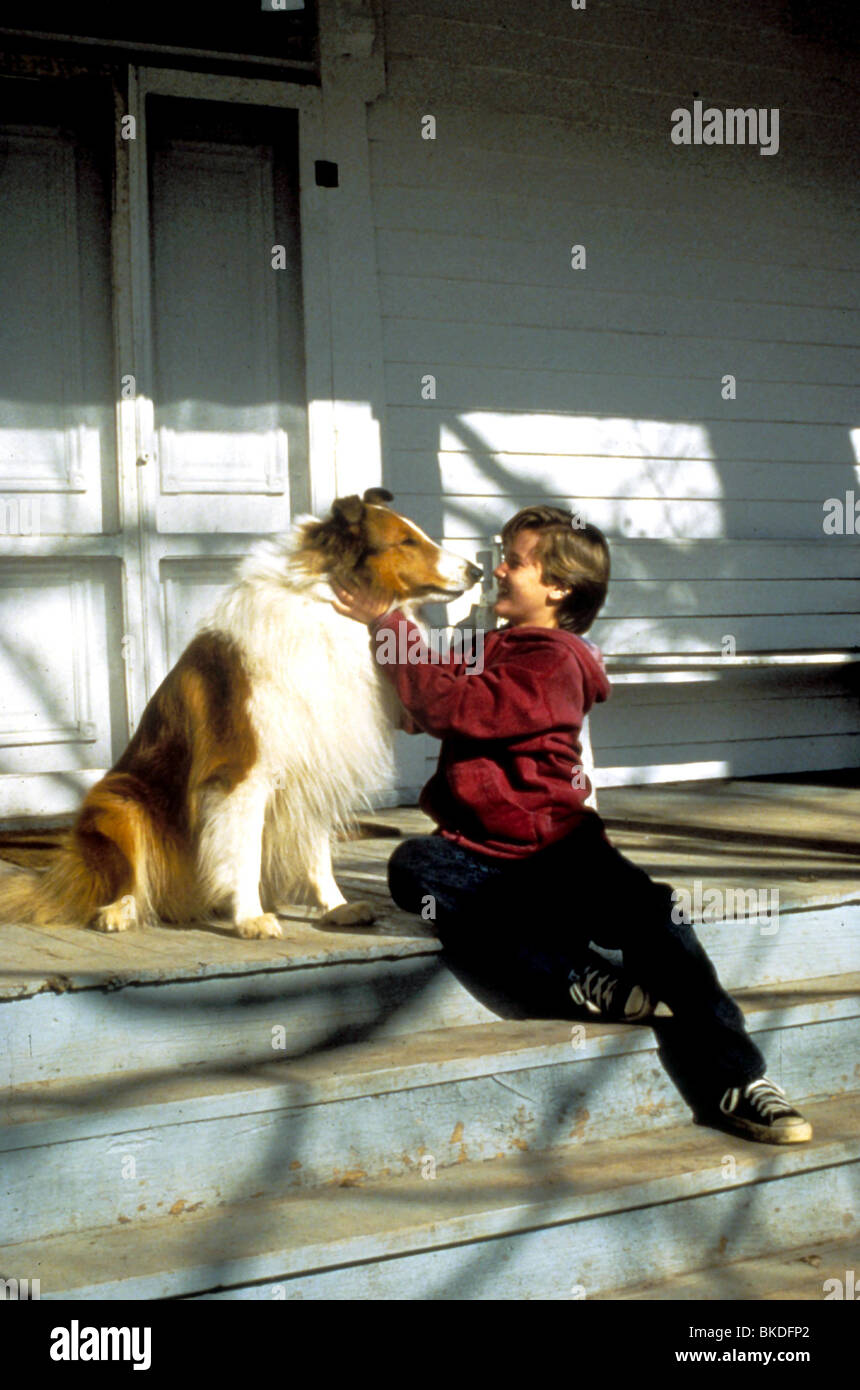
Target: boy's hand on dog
359 604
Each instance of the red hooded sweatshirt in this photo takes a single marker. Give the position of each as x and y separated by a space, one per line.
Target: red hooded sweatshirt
510 733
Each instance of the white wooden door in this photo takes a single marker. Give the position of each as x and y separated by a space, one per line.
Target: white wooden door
222 404
63 544
153 397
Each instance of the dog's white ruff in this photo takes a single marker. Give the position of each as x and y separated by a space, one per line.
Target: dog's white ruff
323 715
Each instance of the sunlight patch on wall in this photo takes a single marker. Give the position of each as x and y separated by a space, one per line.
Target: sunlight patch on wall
634 478
665 772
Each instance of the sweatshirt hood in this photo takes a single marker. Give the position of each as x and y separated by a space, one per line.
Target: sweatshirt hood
596 686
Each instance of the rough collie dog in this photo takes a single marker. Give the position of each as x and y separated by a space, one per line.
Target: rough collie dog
262 741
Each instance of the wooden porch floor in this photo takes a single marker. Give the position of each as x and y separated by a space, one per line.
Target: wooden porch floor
799 835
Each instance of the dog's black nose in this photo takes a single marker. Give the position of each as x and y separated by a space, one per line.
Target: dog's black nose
475 573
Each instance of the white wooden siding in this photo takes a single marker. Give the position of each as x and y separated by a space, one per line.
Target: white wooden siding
601 388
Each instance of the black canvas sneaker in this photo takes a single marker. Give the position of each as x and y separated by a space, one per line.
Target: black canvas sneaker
611 994
759 1111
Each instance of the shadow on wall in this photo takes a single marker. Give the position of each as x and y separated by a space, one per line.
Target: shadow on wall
708 542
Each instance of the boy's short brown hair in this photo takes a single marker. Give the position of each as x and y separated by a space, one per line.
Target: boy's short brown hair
573 555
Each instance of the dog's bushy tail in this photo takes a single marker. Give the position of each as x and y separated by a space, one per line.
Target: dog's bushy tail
102 861
67 894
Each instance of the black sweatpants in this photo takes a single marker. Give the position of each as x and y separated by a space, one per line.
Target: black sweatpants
516 929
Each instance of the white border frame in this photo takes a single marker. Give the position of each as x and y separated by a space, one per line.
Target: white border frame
137 435
316 288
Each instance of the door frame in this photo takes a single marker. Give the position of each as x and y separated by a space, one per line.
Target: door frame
144 648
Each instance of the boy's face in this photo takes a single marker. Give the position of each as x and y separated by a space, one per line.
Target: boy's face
523 598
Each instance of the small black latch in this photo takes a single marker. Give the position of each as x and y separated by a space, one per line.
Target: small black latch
326 173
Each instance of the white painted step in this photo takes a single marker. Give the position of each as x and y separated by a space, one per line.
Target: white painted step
816 1271
547 1225
174 998
130 1147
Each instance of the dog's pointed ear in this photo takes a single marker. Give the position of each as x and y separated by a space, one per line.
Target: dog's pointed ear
380 495
350 510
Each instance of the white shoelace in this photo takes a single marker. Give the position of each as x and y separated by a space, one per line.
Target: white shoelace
764 1095
598 988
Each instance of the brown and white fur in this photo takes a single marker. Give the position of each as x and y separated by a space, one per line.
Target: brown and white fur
262 741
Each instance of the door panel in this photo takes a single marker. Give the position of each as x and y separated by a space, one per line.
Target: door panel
191 590
229 408
57 436
215 324
61 700
62 678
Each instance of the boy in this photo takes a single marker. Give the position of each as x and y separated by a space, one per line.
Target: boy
514 835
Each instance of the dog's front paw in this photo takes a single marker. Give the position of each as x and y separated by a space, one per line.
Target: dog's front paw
349 915
118 916
267 925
